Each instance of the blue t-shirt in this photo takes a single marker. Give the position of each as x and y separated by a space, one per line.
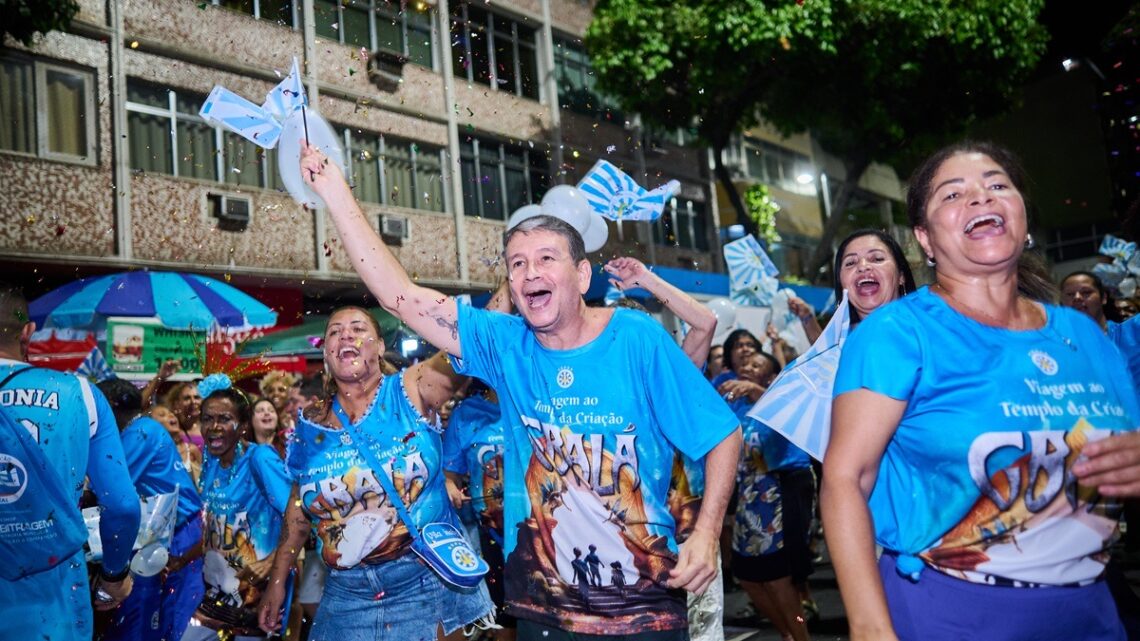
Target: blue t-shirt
75 427
591 433
473 447
356 522
156 467
244 506
1126 337
977 480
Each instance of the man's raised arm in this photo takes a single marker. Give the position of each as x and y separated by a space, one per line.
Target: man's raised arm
428 312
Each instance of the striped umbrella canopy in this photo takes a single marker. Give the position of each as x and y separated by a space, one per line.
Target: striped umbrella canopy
179 301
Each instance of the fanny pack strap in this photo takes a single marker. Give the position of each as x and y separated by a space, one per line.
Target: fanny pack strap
361 442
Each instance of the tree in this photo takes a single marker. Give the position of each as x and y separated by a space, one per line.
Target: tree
873 80
23 18
706 60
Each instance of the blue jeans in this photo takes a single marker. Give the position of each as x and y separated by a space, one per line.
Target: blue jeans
401 599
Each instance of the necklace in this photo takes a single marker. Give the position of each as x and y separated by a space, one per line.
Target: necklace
1067 342
992 320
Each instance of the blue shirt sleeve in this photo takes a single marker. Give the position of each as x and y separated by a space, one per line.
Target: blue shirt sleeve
1126 337
111 481
691 415
454 444
480 332
271 477
882 354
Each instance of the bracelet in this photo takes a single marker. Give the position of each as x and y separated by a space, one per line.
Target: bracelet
114 578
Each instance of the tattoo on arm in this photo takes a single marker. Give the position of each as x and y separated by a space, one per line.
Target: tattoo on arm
450 325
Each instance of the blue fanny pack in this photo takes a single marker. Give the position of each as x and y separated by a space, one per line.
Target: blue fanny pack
40 522
441 545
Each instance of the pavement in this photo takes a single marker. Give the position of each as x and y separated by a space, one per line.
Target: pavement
741 623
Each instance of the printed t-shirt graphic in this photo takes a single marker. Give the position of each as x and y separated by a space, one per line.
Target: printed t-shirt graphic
758 522
75 427
591 433
244 507
977 480
356 522
473 446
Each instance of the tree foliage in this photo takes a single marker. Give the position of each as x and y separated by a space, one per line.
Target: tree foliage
24 18
873 80
762 209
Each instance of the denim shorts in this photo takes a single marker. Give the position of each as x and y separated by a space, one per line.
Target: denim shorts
401 599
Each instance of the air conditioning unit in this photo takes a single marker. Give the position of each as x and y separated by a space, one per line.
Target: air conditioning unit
394 229
385 68
232 212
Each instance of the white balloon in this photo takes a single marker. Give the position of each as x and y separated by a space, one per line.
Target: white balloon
150 560
725 312
320 135
522 213
596 234
567 203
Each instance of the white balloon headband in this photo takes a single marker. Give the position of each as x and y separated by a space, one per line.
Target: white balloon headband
568 204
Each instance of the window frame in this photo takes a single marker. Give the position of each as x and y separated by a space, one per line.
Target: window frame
383 10
677 216
382 157
295 16
266 161
472 149
491 32
41 145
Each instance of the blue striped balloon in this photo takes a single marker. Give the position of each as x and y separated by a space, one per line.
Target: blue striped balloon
614 195
798 403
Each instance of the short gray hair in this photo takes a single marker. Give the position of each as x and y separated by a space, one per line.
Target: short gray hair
552 224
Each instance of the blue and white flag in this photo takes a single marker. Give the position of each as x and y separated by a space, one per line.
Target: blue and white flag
261 125
747 263
614 195
1117 247
798 403
95 367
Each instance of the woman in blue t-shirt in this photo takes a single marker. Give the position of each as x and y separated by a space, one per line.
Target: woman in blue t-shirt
974 433
244 490
1085 292
376 585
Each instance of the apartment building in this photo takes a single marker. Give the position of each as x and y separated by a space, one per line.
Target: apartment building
452 114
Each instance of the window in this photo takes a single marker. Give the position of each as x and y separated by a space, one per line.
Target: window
499 178
282 12
577 85
47 110
390 171
778 167
165 135
398 26
494 50
682 224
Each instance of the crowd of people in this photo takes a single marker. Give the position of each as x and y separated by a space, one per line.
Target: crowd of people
983 444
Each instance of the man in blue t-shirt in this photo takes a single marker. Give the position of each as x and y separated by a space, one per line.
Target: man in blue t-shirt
595 402
160 606
72 423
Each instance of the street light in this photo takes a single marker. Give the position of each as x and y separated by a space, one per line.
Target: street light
1068 64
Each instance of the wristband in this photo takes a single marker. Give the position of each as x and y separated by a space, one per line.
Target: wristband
107 577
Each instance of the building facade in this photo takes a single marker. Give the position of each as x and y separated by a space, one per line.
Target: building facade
452 114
